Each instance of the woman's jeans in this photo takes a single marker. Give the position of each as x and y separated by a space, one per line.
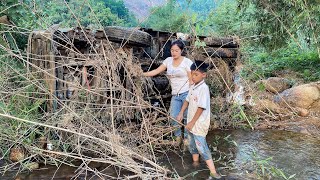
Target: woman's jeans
175 107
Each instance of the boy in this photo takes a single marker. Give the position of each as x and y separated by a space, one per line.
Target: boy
198 119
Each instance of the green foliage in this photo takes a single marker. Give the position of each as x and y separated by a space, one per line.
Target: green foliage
219 141
23 104
28 15
227 20
265 170
20 12
263 65
281 20
167 18
118 8
19 99
199 7
92 13
31 14
239 116
22 17
88 13
203 18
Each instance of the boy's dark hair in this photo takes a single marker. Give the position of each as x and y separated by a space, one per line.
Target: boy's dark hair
199 66
179 43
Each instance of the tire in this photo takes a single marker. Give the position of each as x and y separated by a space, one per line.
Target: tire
128 36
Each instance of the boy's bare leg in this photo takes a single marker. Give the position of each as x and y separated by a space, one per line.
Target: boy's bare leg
195 159
213 172
211 167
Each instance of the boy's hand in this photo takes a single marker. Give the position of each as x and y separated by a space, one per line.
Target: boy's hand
180 117
189 126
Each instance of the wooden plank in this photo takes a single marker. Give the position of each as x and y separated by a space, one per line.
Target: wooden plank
221 42
221 52
60 84
48 67
100 34
128 84
33 55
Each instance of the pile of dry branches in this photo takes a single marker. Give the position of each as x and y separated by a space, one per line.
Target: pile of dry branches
91 116
80 97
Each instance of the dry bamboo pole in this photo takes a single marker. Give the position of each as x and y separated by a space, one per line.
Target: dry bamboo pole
111 92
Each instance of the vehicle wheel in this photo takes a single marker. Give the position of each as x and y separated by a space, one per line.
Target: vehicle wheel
128 36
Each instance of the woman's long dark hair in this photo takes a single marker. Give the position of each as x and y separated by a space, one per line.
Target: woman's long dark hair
181 46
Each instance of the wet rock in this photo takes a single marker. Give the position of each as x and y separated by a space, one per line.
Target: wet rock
276 84
266 105
300 96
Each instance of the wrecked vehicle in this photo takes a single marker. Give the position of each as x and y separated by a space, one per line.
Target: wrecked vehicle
102 67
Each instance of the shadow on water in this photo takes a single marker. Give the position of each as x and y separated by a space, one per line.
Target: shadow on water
238 155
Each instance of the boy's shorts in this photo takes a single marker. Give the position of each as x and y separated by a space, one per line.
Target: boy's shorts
198 145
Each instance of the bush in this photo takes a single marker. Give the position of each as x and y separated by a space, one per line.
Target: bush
19 98
306 63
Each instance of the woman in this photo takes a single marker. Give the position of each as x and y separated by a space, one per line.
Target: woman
179 74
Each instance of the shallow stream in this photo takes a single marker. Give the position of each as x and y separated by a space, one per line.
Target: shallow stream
238 155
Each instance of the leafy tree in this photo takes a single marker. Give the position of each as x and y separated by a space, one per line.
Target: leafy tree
167 18
281 20
23 19
83 12
227 20
39 14
200 7
19 12
117 7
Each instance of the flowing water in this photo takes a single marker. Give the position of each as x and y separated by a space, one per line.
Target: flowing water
238 154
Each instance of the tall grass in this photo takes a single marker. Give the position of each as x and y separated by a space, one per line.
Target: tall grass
305 62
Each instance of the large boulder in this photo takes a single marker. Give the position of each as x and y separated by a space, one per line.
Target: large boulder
276 84
266 105
302 96
315 107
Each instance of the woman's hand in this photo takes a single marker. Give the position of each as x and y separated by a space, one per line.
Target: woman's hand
180 117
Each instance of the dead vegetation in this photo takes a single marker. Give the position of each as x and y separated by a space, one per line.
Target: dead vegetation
97 108
91 103
92 113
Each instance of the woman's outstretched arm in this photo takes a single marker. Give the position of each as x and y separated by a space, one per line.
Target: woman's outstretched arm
157 71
